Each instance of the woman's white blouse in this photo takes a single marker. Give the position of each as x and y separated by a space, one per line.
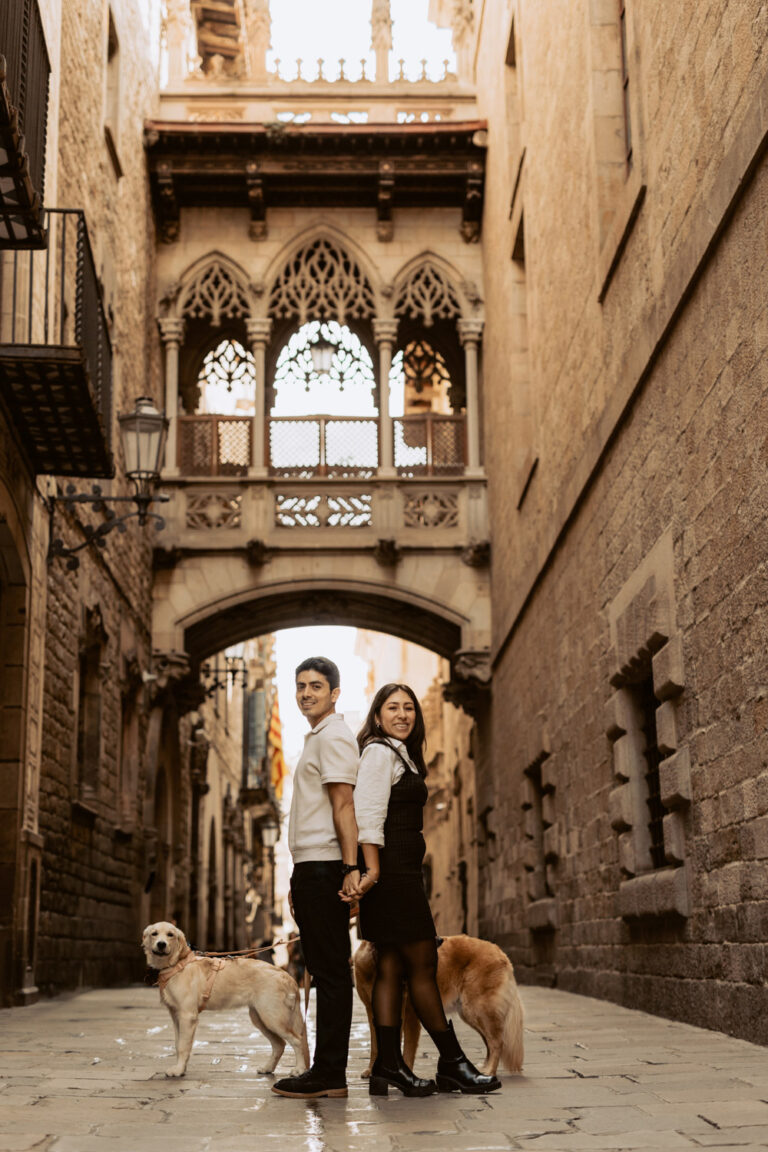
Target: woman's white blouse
380 769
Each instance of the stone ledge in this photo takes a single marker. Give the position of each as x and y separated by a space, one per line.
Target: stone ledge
541 915
668 675
675 779
655 894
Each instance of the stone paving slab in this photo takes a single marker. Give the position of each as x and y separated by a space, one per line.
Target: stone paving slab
86 1074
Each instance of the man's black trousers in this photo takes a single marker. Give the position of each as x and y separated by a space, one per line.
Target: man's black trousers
323 920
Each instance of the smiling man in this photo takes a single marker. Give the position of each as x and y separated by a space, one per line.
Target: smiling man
322 837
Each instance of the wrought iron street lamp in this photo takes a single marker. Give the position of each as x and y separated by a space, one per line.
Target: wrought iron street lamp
143 434
216 677
270 832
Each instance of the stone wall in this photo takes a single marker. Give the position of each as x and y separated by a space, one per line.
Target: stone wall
93 864
636 553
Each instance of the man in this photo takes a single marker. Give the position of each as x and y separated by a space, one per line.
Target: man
322 837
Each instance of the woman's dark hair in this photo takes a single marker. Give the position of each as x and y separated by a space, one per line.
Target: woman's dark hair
322 665
371 730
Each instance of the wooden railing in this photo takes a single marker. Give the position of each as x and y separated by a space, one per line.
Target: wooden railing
430 444
215 445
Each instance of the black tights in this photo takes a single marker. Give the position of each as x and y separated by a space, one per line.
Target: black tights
414 963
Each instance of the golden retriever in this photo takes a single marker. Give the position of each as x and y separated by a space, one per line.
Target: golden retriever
190 982
476 980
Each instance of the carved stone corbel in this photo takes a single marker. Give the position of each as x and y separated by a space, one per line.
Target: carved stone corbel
385 228
257 553
387 553
477 554
469 687
168 206
254 180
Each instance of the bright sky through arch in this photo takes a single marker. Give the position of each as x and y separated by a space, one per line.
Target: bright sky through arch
332 29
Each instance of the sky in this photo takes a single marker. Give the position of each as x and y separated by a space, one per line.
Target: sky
332 29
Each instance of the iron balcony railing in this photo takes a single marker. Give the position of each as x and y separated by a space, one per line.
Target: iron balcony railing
24 74
51 309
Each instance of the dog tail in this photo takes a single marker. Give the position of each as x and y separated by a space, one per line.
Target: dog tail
512 1045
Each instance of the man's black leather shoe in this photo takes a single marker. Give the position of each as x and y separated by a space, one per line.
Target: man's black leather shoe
310 1085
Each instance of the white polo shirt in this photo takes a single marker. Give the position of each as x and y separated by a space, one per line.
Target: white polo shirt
330 756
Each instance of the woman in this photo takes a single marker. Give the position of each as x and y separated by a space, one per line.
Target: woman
394 913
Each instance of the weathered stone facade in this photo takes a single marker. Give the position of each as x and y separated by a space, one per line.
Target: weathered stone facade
610 803
634 552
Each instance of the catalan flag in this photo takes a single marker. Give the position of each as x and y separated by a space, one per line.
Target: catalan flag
278 770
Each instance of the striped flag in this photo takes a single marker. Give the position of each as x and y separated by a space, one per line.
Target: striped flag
278 770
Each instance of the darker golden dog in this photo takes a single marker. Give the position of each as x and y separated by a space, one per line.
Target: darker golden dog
477 981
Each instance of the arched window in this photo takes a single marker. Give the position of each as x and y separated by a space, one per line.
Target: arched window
226 381
428 436
216 440
323 416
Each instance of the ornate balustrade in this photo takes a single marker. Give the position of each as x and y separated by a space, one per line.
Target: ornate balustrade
282 512
337 447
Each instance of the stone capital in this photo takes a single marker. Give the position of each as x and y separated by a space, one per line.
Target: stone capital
171 330
385 331
470 331
258 329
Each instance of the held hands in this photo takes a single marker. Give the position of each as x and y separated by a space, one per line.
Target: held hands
355 886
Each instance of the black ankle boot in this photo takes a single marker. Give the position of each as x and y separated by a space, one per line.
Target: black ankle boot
455 1073
390 1068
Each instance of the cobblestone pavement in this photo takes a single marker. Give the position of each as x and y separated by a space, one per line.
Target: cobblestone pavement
85 1074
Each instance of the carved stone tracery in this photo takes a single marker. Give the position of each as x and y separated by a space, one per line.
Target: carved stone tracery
214 295
322 282
428 296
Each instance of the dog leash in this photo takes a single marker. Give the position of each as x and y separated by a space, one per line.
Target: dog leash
246 952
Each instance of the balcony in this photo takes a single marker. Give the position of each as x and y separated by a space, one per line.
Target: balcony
331 447
24 72
55 353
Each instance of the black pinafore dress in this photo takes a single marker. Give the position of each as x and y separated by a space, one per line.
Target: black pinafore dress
396 910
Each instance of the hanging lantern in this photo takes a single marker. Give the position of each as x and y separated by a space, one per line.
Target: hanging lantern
322 356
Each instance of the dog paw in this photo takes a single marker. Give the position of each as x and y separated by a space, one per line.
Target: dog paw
175 1073
265 1071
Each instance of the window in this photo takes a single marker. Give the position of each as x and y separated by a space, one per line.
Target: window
645 705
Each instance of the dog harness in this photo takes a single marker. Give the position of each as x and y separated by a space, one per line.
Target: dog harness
168 973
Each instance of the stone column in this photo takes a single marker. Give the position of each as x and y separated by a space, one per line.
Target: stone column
381 38
385 334
172 333
258 25
470 332
178 36
463 40
258 337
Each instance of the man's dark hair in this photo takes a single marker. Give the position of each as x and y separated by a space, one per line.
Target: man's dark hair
322 665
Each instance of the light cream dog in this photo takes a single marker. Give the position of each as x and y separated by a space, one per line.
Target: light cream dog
476 980
190 982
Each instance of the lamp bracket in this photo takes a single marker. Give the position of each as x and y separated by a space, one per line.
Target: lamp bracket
100 503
